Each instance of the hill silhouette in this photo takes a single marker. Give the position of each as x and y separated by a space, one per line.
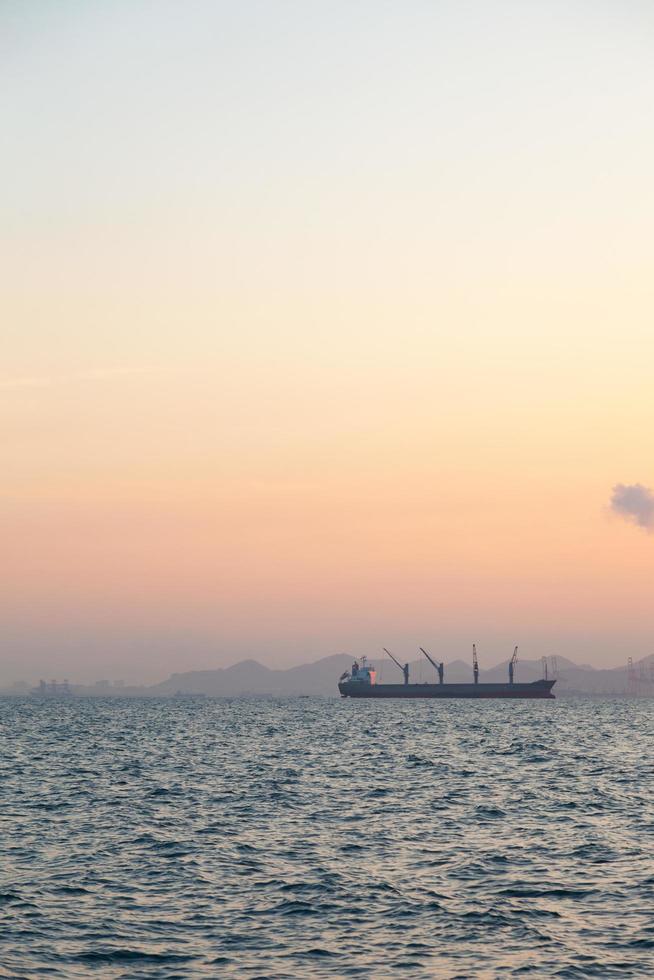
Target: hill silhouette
249 677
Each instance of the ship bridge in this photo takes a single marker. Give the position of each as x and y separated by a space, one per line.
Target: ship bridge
361 673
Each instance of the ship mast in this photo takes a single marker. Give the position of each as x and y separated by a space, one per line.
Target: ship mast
512 662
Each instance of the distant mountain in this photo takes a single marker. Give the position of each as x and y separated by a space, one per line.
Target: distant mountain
251 677
321 677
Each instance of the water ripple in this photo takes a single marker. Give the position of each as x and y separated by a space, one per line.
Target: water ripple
326 838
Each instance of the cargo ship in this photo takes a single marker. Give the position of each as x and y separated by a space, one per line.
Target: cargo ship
361 682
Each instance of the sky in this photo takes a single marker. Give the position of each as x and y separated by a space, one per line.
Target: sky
325 326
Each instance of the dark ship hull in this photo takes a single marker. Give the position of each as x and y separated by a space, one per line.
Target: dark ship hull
535 689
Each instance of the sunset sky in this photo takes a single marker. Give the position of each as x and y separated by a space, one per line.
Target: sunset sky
325 326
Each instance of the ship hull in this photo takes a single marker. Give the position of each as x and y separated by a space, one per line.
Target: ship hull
536 689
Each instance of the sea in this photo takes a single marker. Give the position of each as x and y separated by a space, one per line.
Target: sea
308 837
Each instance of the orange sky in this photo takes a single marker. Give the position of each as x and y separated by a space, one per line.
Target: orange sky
322 330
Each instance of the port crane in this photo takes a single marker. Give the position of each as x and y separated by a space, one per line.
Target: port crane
512 662
475 664
404 668
440 667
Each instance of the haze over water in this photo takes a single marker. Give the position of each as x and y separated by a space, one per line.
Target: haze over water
326 326
326 838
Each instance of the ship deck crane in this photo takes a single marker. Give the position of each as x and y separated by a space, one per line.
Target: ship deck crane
439 666
404 668
512 662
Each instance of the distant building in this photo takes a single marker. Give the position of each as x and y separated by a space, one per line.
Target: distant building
52 689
